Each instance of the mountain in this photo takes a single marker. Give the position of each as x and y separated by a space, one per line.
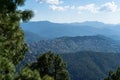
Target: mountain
87 57
93 24
32 37
52 30
91 65
96 43
85 65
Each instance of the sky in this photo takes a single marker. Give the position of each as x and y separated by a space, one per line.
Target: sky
68 11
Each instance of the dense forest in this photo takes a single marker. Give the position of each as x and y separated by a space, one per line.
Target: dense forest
97 43
85 65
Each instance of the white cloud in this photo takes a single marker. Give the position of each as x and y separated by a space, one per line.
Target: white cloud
90 7
56 5
52 2
110 7
60 8
107 7
93 8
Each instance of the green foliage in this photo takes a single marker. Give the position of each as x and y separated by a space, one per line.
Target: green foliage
12 45
13 48
52 65
26 15
114 75
7 69
46 77
27 74
12 42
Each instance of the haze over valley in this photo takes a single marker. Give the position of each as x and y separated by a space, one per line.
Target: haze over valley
92 47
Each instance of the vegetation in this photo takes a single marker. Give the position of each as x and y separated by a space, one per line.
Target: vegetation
13 47
46 77
7 69
114 75
96 43
49 66
52 65
88 65
27 74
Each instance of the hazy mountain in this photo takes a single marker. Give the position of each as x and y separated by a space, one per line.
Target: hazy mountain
88 57
93 24
85 65
91 65
32 37
96 43
52 30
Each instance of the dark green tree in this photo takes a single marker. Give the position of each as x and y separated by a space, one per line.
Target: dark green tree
27 74
114 75
52 65
12 45
7 69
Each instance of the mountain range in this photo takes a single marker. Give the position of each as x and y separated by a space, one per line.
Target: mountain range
50 30
98 43
87 57
91 65
32 37
90 49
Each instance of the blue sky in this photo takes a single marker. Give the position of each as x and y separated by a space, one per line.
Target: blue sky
67 11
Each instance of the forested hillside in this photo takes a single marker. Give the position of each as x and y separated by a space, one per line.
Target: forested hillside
87 57
96 43
86 65
91 65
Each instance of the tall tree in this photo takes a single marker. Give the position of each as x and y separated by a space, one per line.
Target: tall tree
52 65
12 45
114 75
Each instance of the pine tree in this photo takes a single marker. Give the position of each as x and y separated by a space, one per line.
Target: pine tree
52 65
114 75
12 45
27 74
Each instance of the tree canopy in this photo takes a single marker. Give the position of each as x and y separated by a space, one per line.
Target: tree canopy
7 69
114 75
51 64
27 74
12 45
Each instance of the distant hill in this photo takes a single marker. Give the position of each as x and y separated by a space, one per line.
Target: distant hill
32 37
96 43
87 57
91 65
52 30
85 65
